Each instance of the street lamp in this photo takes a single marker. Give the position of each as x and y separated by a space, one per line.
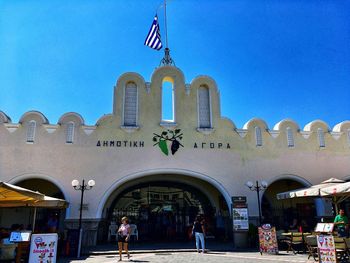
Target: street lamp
257 188
81 187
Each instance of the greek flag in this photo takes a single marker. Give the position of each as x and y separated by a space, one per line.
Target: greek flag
153 38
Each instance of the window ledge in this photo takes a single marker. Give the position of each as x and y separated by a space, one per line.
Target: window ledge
168 124
205 130
130 129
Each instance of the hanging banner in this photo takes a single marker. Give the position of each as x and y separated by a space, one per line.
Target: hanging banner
43 248
326 248
268 239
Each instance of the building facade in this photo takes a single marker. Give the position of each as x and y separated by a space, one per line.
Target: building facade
163 170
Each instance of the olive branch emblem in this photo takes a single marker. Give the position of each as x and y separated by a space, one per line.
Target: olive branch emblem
166 137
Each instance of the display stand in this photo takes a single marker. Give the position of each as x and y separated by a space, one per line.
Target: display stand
325 243
43 248
268 239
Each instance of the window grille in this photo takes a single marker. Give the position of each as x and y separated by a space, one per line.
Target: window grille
258 136
320 135
204 107
31 131
290 137
70 132
130 104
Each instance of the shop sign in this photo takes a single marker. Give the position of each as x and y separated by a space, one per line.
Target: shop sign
43 248
326 248
268 239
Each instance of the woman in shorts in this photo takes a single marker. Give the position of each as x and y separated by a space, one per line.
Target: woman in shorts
124 237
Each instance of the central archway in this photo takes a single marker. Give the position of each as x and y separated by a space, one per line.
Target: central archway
164 205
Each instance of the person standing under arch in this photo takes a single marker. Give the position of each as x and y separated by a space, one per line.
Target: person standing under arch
124 232
199 233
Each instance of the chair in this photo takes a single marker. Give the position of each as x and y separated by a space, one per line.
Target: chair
341 249
22 254
296 241
7 250
134 231
347 244
311 244
112 231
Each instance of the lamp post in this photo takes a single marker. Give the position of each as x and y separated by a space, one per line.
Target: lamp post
81 187
257 188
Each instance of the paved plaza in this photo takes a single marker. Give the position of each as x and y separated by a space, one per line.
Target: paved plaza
182 257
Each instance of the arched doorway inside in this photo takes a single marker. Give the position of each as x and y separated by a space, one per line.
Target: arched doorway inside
23 216
289 213
164 207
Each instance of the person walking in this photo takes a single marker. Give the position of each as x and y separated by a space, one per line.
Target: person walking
124 232
199 233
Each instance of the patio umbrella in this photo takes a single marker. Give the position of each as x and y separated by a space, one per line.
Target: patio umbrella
46 202
14 193
338 192
312 191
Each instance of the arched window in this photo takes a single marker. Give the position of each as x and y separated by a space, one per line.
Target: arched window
204 115
290 137
320 135
130 104
258 136
168 108
348 136
31 131
70 132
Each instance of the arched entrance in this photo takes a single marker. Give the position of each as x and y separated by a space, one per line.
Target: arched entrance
284 213
164 207
23 216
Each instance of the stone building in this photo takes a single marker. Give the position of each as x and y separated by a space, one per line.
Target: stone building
163 170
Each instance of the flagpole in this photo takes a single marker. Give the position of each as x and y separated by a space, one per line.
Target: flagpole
167 60
166 27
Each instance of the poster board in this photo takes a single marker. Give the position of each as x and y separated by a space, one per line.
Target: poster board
43 248
324 227
240 213
240 219
326 249
268 239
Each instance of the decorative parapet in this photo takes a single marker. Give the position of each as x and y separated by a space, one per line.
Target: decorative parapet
51 128
11 127
88 129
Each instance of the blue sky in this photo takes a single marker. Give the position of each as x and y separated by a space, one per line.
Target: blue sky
271 59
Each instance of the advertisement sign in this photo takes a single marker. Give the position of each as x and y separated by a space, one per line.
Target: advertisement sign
268 239
43 248
240 219
326 248
240 213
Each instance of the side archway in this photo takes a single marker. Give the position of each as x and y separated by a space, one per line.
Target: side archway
47 219
288 214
